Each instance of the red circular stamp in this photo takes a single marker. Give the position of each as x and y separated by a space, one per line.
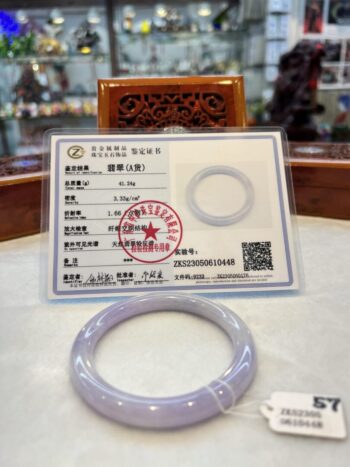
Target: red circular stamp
150 231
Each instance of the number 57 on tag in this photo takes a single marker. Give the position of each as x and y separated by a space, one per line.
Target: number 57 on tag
305 414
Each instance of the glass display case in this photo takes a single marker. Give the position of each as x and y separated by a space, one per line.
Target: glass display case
51 57
202 38
50 60
180 53
163 40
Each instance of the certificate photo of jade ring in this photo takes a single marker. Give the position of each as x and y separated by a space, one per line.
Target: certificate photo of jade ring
207 218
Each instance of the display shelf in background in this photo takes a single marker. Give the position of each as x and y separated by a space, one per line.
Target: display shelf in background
54 59
43 117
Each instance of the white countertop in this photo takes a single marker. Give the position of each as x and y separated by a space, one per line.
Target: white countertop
303 344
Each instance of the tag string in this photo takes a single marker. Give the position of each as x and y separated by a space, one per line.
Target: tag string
235 409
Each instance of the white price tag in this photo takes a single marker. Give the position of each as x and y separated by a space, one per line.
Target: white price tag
305 414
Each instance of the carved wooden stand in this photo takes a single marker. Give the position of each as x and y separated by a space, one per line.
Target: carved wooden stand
189 102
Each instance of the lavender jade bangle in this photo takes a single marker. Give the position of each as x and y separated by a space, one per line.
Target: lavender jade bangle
163 412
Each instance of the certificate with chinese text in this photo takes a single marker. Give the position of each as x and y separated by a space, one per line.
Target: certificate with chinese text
122 221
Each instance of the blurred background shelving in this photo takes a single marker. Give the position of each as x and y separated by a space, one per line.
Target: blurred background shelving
51 55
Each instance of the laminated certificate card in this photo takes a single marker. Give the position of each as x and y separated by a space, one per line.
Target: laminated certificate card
203 212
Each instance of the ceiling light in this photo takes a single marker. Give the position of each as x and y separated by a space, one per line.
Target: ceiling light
161 10
204 9
129 12
93 16
21 17
56 16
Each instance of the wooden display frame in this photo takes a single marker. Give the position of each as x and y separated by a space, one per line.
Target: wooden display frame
190 102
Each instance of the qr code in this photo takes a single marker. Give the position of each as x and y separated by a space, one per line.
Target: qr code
257 256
